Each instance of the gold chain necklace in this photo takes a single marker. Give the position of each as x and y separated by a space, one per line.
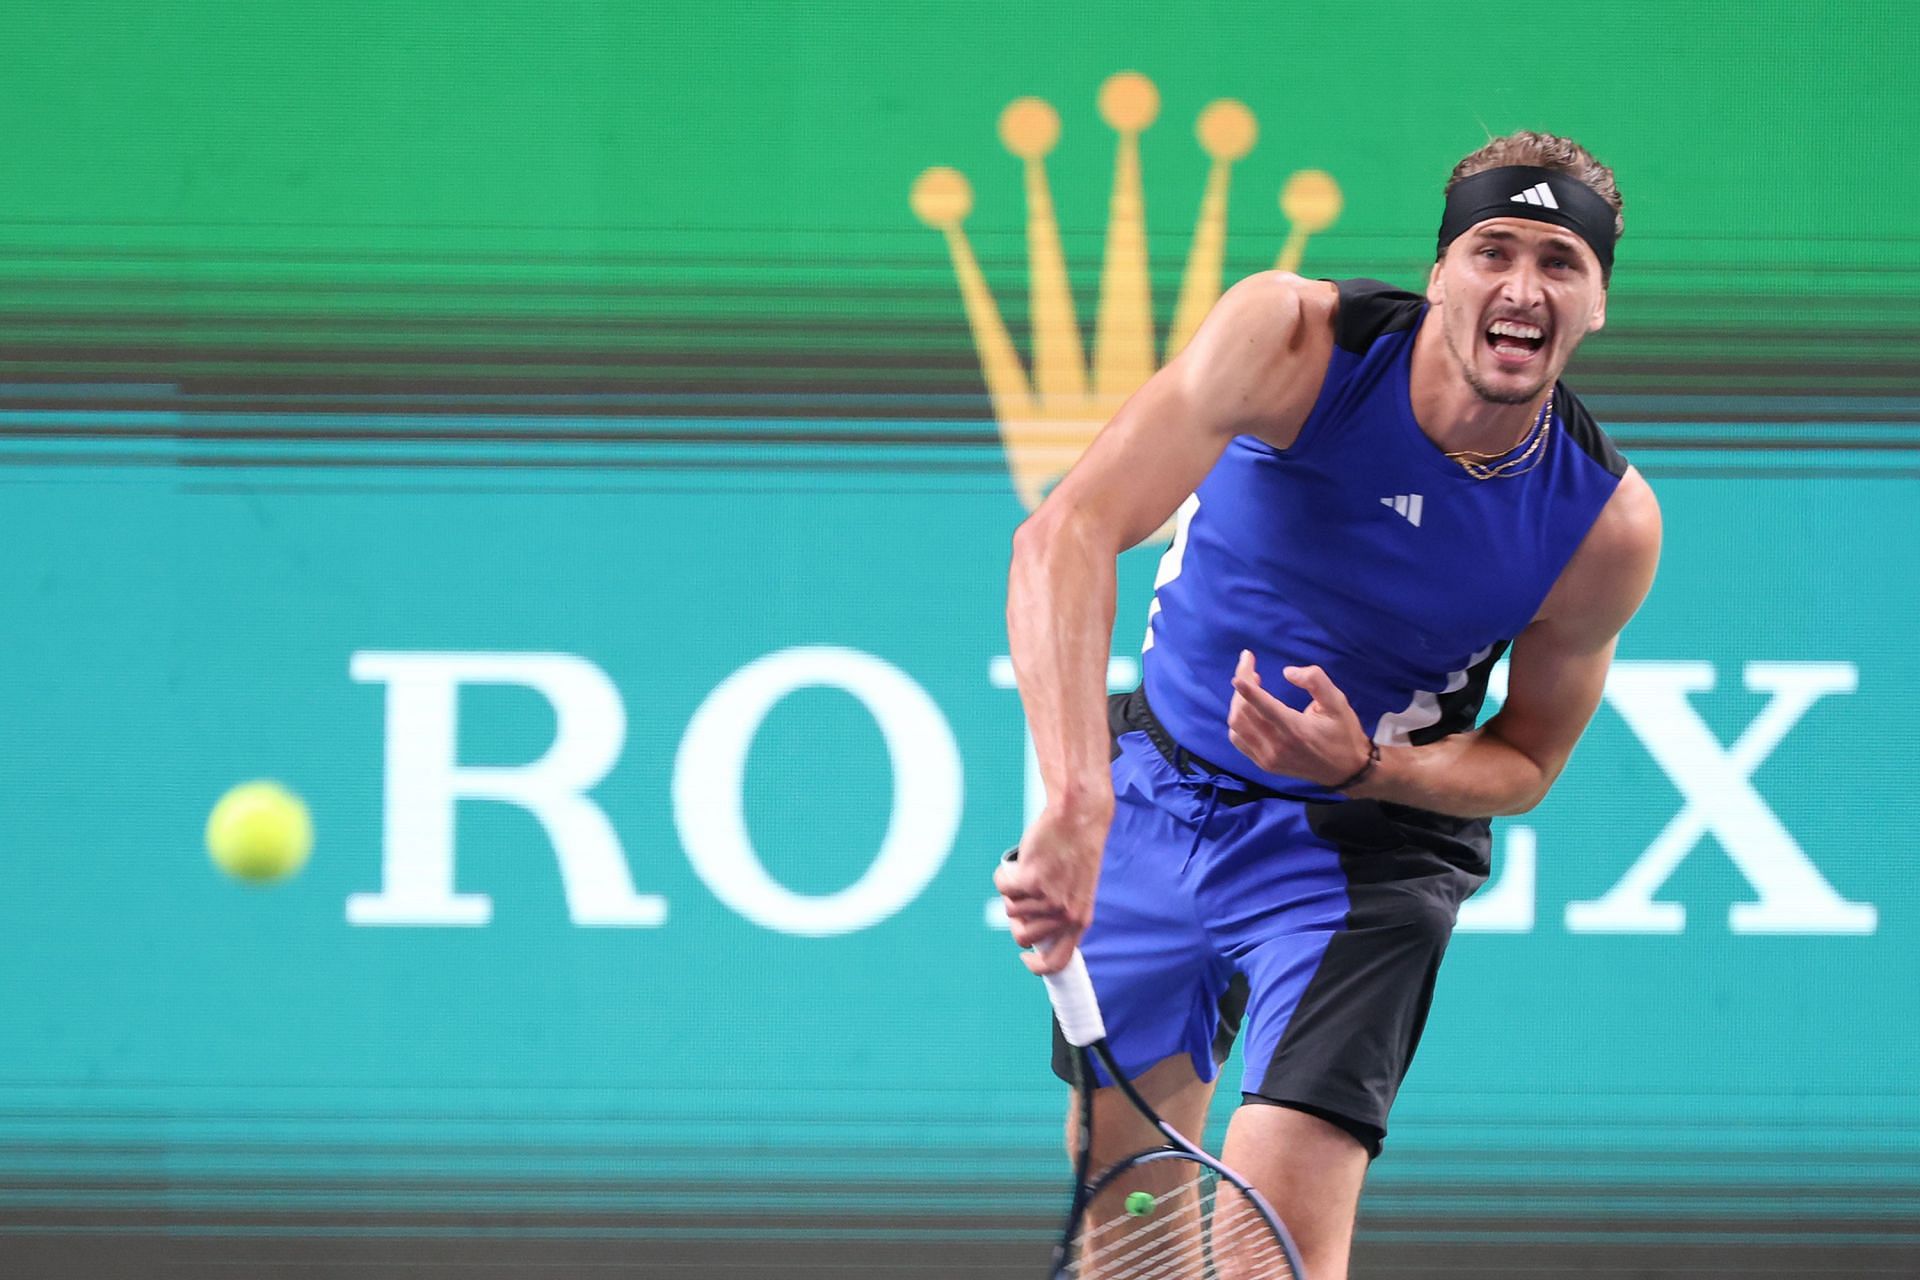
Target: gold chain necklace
1474 461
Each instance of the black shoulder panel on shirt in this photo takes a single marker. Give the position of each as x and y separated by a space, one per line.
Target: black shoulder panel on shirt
1585 432
1370 308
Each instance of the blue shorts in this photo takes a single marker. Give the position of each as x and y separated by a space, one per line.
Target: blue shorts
1315 929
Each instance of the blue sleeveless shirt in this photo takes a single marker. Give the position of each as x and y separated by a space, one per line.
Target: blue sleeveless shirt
1364 549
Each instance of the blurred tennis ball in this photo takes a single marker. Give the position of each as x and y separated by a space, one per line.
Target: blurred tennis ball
1140 1203
259 831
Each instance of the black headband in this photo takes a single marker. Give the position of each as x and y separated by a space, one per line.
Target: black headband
1523 191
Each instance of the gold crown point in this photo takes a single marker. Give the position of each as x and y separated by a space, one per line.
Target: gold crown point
1029 128
1129 102
1047 419
1311 200
941 198
1227 130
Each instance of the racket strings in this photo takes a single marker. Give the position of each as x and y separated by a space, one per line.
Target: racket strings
1138 1247
1185 1234
1239 1253
1135 1222
1246 1250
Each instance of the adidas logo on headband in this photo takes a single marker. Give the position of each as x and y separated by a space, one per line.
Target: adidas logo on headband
1540 194
1550 195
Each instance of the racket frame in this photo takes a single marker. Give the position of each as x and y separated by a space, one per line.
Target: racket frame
1088 1185
1076 1007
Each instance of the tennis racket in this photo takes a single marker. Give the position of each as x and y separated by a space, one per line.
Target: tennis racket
1171 1212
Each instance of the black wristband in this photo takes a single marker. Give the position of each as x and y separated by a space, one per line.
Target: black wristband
1360 775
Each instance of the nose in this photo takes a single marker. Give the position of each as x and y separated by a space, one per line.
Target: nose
1524 286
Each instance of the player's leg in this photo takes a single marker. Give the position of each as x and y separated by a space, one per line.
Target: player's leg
1310 1171
1178 1094
1339 916
1159 981
1180 1097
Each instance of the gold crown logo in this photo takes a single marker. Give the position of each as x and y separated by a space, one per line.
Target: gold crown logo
1045 424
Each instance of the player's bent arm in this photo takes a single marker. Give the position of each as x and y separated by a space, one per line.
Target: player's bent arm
1252 368
1555 678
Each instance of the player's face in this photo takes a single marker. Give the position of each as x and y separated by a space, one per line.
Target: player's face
1515 297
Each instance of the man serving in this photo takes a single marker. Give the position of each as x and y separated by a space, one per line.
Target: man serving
1376 496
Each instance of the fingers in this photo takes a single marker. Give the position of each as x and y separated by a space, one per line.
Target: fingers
1039 920
1314 679
1276 737
1047 887
1034 920
1246 684
1259 749
1254 736
1033 906
1014 882
1058 951
1318 683
1246 681
1034 916
1258 724
1034 931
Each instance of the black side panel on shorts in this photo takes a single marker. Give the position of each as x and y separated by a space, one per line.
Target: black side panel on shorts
1351 1038
1369 308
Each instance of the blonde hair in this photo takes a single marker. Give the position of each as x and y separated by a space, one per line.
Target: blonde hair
1546 151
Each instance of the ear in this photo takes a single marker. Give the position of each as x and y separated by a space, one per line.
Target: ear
1435 293
1599 312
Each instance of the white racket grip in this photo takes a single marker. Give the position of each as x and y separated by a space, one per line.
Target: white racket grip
1074 1003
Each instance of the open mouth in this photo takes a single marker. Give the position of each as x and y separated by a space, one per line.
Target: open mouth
1515 341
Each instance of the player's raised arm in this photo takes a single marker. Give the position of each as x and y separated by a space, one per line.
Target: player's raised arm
1253 368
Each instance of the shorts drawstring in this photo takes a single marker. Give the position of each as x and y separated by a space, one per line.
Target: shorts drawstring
1199 831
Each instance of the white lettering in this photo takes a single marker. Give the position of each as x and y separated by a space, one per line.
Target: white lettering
709 775
1715 783
424 780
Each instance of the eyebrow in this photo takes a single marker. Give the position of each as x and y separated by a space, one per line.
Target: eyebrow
1552 242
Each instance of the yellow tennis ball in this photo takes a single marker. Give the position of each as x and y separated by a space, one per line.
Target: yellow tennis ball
259 831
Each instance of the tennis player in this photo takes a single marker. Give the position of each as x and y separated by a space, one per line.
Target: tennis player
1377 494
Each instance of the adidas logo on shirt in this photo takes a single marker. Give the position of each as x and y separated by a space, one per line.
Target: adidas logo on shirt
1541 194
1408 505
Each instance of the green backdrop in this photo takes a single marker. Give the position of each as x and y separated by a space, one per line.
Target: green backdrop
504 377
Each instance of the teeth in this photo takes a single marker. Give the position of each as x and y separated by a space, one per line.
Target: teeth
1515 329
